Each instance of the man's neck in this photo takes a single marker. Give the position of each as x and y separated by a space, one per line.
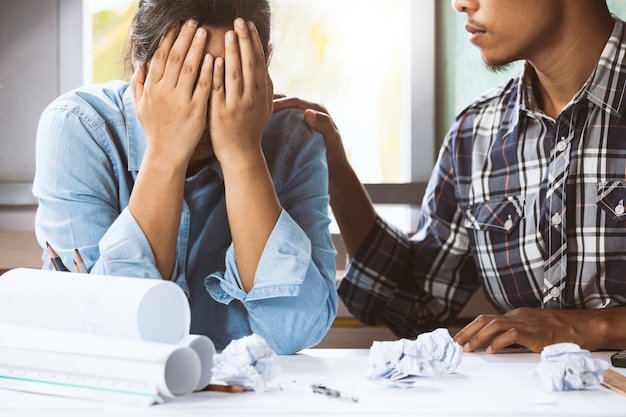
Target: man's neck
560 75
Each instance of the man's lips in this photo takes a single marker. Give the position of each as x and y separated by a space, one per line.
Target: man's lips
474 28
475 32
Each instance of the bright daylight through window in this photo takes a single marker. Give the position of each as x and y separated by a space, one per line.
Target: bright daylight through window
353 56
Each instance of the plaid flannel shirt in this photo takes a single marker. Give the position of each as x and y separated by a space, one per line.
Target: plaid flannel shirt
489 216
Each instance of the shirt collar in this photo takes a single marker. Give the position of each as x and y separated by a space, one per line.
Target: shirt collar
136 137
605 86
527 100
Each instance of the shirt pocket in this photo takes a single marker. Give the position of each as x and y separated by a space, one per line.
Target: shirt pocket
500 216
611 197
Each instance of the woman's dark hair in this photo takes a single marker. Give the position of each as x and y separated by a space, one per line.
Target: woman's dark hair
155 17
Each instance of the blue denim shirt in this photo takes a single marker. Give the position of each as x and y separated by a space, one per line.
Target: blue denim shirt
89 150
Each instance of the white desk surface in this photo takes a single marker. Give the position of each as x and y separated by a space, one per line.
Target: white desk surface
484 385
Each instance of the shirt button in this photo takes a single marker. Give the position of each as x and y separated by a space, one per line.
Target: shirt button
508 224
619 210
555 292
561 145
556 219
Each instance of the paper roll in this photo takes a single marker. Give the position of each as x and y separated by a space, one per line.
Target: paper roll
131 308
205 349
92 366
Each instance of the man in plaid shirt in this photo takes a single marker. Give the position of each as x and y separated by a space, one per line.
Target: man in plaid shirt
526 198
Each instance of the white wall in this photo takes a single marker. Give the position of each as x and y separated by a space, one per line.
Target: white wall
40 58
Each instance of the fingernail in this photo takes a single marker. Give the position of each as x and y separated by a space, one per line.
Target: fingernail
230 36
466 347
240 23
191 23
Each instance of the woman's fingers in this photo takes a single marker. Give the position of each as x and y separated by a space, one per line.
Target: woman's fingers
218 93
159 59
234 75
178 58
256 58
172 103
194 58
137 82
178 53
246 70
202 90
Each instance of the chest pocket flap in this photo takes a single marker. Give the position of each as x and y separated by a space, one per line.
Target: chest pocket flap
611 197
496 215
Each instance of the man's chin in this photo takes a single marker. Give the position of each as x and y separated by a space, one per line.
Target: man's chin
498 66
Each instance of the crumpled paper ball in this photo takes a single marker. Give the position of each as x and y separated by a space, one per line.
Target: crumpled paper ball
248 362
565 367
403 362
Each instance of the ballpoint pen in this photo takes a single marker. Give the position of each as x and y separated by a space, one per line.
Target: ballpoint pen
324 390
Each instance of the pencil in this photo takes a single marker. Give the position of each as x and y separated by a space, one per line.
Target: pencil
614 381
225 388
79 264
56 259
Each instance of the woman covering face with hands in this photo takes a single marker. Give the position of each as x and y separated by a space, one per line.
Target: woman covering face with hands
186 174
193 105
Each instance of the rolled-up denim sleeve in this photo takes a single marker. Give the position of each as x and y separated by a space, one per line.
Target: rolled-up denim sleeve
281 271
290 291
293 301
125 250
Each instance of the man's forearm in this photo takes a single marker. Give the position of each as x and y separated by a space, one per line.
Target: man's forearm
352 209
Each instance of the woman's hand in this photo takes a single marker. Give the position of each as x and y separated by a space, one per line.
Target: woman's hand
170 104
241 96
172 108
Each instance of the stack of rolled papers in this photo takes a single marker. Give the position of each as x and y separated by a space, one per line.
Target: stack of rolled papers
103 338
401 363
565 367
248 362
